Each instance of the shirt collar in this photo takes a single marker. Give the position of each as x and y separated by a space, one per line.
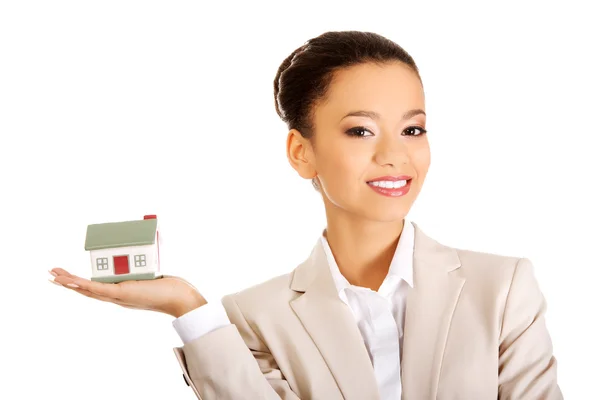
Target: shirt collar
401 266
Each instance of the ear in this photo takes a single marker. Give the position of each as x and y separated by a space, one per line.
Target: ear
300 154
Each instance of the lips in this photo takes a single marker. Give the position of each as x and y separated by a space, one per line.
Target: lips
391 186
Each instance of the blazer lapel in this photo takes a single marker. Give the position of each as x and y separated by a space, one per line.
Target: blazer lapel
331 325
430 305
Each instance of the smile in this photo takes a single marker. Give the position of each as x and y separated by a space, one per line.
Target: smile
391 188
388 184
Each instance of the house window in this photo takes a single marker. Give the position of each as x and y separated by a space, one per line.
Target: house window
140 260
101 263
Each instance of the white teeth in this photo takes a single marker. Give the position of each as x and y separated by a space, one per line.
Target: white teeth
388 184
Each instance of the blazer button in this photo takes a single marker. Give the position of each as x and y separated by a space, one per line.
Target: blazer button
185 379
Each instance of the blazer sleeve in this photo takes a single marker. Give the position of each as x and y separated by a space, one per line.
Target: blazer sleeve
232 363
527 368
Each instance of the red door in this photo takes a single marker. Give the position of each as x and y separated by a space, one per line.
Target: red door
121 264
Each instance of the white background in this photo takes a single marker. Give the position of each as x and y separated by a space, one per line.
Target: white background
115 109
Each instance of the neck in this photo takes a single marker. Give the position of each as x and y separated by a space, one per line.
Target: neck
363 250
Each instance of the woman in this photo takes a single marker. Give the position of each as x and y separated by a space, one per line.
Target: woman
378 309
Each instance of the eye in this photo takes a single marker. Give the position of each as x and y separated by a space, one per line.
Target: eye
410 131
359 131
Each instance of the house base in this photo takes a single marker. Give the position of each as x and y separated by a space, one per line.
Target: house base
126 277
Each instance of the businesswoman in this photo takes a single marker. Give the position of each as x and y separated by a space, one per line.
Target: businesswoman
378 310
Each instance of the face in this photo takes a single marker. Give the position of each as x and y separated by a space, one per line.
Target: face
369 136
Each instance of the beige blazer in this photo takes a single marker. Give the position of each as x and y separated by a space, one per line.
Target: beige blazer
474 330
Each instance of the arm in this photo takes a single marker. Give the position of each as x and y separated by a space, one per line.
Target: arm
218 364
527 368
232 363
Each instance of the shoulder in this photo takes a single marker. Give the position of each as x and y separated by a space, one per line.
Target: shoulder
485 273
500 285
268 298
494 273
471 262
278 286
480 262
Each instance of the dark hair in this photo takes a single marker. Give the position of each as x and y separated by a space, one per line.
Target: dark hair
305 75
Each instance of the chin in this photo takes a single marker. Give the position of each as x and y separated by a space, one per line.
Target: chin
378 209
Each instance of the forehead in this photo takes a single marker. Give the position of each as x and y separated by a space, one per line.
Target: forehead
389 89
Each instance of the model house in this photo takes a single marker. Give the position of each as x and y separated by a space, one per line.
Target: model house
121 251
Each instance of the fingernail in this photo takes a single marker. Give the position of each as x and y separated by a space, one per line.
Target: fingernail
53 273
53 281
72 285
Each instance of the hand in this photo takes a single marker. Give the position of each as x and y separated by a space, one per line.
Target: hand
170 294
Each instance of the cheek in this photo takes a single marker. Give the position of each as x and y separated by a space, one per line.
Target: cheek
421 158
342 173
343 164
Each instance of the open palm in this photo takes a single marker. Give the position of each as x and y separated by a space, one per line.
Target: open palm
170 294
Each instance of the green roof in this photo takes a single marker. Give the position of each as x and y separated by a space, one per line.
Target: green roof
120 234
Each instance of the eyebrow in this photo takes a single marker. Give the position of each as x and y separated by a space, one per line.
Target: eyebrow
376 116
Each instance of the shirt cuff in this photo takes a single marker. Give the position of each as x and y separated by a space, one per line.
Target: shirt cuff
201 321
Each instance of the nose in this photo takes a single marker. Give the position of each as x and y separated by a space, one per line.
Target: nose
391 150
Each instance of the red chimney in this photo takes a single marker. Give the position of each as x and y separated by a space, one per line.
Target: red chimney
149 216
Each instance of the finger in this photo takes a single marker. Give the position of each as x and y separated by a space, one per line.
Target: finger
109 290
53 281
60 272
101 298
91 295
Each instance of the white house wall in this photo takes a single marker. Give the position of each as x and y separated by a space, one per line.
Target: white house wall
131 251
